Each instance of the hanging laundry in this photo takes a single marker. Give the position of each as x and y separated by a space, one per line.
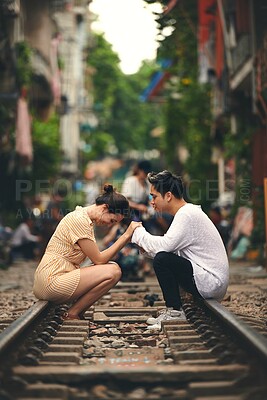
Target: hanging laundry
55 81
23 131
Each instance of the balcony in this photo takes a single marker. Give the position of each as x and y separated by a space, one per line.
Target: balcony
63 5
10 8
58 5
261 81
241 52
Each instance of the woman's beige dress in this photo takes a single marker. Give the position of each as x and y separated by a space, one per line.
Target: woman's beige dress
58 274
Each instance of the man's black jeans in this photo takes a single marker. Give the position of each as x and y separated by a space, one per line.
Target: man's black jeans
174 272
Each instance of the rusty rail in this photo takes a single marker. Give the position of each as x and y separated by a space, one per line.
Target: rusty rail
17 327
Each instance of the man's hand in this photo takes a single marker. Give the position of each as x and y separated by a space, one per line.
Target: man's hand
131 228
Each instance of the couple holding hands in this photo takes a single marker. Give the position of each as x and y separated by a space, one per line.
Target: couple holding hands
190 255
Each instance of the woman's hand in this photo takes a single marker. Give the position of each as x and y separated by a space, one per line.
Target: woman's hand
131 228
91 250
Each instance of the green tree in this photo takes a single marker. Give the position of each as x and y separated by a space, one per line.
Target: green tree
121 113
47 156
187 103
132 119
106 72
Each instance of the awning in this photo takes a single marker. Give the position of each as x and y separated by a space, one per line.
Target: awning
170 6
156 82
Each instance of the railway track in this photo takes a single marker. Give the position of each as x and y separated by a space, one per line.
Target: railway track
111 354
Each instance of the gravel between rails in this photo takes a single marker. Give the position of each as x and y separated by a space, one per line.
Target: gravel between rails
246 297
16 294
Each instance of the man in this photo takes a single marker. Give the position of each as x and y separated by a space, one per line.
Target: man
190 255
136 189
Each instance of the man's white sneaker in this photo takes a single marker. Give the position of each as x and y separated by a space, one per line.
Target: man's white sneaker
155 327
167 314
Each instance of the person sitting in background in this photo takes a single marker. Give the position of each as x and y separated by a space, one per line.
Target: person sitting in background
59 276
222 223
128 257
52 215
23 242
239 242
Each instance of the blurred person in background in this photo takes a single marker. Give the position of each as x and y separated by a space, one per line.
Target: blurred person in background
5 235
240 238
129 257
91 187
136 189
221 220
23 242
52 215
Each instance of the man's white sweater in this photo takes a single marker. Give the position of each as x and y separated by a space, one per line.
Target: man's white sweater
192 235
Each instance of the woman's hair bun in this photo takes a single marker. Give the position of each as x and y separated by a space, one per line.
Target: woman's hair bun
108 188
116 202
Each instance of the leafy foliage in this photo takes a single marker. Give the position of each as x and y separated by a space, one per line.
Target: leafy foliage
23 64
121 114
187 108
46 145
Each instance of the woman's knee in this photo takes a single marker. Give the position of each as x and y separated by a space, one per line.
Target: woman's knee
114 272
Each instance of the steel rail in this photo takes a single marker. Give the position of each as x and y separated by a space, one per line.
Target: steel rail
17 327
256 341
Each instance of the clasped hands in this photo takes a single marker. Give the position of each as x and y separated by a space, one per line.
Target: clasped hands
133 225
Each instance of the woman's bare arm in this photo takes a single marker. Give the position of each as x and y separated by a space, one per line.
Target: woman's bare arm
92 251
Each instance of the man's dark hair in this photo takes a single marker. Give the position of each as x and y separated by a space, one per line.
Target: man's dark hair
165 181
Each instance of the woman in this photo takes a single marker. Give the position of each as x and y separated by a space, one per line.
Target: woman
59 278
